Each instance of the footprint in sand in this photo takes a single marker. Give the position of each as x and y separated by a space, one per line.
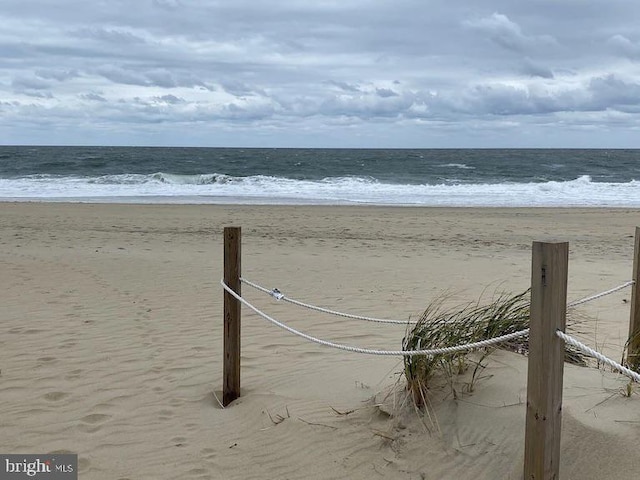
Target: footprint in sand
46 359
74 374
165 414
95 418
55 396
92 423
200 472
208 453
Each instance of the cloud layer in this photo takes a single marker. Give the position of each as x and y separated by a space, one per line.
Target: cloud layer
326 73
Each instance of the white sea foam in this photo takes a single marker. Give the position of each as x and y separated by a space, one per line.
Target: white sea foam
461 166
218 188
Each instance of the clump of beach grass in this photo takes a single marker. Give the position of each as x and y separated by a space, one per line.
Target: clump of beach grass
443 327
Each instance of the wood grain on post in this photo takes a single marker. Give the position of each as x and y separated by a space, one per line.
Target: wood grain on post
633 346
546 360
231 374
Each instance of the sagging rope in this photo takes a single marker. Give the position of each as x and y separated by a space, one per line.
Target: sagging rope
458 348
597 355
278 295
404 353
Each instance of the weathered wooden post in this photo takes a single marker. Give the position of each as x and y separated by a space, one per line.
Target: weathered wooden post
231 375
546 360
633 345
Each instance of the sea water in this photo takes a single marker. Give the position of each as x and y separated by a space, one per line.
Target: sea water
429 177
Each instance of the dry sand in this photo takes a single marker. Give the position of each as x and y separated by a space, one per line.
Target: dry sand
111 340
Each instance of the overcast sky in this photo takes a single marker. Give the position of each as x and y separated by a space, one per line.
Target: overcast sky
321 73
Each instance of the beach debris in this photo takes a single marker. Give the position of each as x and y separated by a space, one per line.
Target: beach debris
277 419
317 424
345 413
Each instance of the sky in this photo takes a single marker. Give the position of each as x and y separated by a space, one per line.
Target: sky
321 73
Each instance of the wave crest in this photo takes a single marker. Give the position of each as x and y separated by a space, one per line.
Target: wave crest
199 179
221 188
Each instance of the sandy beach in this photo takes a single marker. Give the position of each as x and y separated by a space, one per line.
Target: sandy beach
111 341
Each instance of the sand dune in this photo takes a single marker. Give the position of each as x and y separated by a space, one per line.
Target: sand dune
111 340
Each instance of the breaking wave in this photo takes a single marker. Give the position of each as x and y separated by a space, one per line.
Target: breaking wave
220 188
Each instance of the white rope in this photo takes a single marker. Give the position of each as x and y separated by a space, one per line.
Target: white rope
589 351
278 295
599 295
405 353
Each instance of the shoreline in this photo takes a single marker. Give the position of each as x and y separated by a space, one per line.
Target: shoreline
225 202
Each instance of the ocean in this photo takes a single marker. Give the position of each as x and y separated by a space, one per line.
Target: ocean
428 177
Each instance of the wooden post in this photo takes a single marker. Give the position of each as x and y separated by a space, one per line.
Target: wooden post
232 254
633 346
546 360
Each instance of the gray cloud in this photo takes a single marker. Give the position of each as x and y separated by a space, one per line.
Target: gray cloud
94 97
240 89
158 77
385 92
344 86
115 36
30 83
533 69
57 74
167 4
611 92
170 99
506 33
624 46
365 71
122 76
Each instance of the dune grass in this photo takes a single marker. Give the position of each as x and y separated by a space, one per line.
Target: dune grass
442 327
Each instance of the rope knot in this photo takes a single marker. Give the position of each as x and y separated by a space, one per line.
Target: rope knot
275 293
